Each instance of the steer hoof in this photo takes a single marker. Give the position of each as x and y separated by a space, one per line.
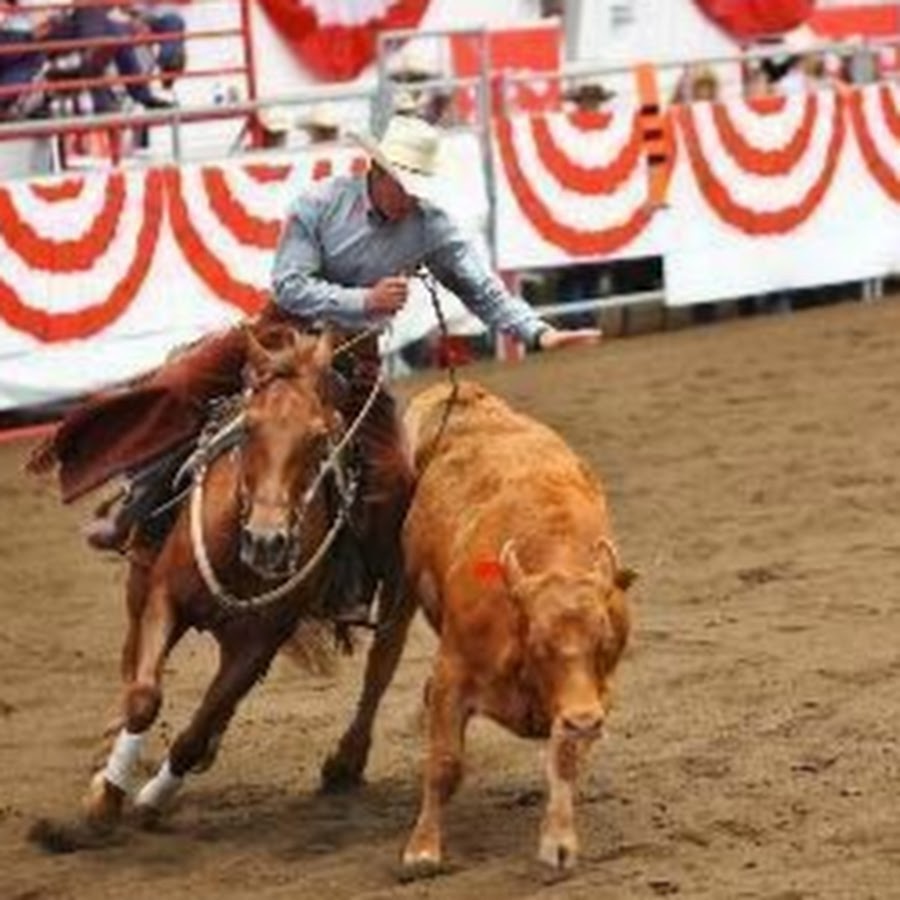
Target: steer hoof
339 777
420 866
559 853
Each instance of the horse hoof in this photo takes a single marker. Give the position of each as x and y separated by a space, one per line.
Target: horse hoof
149 818
338 777
103 803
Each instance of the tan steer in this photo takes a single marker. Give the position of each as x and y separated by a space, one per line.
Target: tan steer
509 552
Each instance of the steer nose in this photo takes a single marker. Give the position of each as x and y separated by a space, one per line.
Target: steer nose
583 723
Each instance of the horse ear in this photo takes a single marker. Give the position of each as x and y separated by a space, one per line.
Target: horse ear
324 350
258 357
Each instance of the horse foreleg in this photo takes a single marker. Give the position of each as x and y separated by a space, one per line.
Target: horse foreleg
240 667
136 593
344 767
156 633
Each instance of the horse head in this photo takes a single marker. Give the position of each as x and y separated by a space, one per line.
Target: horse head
289 425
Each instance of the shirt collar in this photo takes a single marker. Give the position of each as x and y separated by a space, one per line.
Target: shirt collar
373 216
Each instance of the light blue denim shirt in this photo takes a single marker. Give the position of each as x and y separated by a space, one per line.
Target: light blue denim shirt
335 246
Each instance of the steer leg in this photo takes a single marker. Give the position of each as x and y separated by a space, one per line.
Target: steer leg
157 633
559 843
344 767
241 665
447 720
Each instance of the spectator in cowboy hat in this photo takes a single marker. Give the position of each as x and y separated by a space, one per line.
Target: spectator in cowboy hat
589 96
343 262
322 125
274 126
411 69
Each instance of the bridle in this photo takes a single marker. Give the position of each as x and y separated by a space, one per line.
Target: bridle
333 464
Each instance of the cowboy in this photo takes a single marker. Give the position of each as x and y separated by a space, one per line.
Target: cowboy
341 263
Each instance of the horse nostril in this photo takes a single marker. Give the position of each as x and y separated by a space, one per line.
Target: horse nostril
246 547
278 547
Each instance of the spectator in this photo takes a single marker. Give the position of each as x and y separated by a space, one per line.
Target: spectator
412 69
18 26
756 82
274 126
170 54
701 85
589 96
860 64
87 22
322 125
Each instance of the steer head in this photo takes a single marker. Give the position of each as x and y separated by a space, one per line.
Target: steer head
576 626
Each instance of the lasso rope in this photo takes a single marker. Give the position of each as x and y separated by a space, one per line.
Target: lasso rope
232 603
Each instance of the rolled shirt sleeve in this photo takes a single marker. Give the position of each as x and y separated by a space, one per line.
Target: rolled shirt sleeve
455 262
297 278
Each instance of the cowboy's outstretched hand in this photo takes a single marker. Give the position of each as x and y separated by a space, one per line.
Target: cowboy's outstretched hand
557 339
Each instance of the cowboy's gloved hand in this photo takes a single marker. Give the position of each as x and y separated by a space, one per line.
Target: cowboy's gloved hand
555 338
387 296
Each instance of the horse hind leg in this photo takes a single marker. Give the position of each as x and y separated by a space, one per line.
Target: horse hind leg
242 662
343 769
156 634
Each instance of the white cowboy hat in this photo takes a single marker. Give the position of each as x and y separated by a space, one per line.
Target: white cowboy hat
322 115
415 60
409 151
275 119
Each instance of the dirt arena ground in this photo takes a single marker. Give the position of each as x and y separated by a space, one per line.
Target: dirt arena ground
755 748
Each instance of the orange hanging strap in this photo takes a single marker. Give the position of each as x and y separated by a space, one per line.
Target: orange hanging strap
654 134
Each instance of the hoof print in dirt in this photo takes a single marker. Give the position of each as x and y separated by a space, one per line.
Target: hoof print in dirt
70 837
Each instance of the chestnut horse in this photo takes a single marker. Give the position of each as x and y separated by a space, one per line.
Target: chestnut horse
248 560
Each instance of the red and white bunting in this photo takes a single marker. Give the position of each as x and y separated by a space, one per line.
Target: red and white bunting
570 186
73 263
765 174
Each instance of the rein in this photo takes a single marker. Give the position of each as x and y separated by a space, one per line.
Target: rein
431 286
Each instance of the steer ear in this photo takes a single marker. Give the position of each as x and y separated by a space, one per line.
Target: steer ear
512 568
619 576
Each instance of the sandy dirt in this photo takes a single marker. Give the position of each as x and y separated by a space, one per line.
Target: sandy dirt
755 747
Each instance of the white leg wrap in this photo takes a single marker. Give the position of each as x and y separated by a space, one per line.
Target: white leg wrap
160 788
124 757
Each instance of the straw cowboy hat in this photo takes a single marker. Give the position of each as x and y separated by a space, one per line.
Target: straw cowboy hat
322 115
413 61
409 151
275 119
